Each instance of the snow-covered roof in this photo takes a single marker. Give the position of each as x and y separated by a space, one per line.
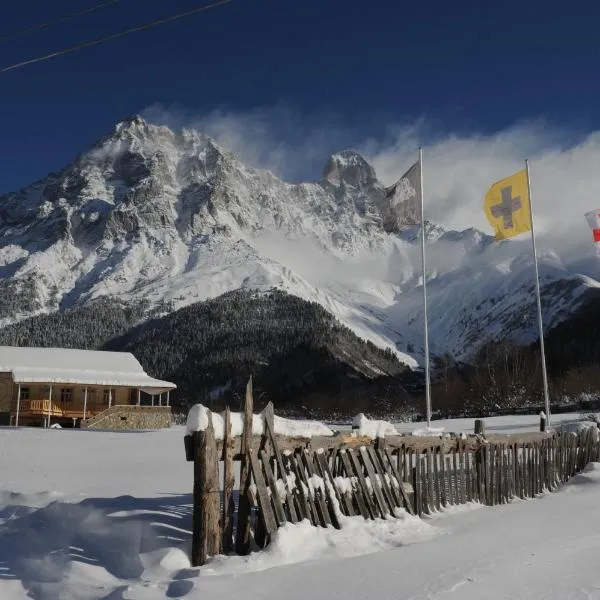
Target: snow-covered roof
87 367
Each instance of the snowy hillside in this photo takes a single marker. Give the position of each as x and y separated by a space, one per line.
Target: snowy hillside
158 215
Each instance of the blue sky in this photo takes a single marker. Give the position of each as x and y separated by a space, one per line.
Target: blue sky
359 68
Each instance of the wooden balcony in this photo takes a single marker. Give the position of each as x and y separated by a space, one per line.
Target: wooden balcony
67 410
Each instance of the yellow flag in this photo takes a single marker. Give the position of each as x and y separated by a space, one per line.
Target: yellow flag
506 206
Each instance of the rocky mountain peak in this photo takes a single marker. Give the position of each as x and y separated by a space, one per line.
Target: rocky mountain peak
350 168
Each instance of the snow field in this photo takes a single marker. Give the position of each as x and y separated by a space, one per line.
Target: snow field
91 515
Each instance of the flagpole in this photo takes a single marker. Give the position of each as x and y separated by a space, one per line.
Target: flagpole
539 301
425 331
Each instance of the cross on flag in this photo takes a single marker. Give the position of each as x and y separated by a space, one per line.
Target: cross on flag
506 206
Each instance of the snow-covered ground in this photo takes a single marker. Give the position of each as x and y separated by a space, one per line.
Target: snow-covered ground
107 515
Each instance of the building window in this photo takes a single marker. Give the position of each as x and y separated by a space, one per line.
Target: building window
25 393
66 395
107 396
91 396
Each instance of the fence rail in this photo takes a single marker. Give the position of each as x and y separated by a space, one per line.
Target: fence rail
284 479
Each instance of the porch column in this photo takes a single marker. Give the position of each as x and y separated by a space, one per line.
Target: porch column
84 403
168 397
152 396
49 406
139 398
18 405
160 399
109 397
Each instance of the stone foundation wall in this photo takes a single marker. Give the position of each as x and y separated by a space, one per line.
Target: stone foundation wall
131 417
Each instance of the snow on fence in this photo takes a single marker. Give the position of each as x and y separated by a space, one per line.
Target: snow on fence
288 473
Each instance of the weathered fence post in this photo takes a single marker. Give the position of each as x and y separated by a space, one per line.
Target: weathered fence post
543 421
228 484
206 538
242 538
479 427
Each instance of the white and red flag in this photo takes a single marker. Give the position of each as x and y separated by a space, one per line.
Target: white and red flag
593 219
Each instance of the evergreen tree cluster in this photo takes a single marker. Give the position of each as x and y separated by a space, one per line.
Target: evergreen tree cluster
87 327
297 352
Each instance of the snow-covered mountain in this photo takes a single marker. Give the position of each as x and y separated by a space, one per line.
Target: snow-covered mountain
172 218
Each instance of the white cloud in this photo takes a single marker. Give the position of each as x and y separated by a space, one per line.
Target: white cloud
458 168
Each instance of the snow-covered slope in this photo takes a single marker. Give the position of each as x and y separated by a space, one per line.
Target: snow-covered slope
153 214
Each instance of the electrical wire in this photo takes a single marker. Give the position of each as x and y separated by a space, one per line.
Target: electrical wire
20 32
114 36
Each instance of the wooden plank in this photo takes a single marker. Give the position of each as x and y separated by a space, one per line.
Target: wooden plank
448 479
417 491
482 475
228 485
499 482
206 536
408 442
384 509
264 502
443 482
523 470
359 494
385 472
405 500
408 463
515 468
436 475
529 471
455 476
344 499
367 492
272 483
424 486
488 474
332 495
270 429
552 463
242 538
505 475
431 498
303 502
461 465
300 471
380 471
538 467
400 462
317 492
468 480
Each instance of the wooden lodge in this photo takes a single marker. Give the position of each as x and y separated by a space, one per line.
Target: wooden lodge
78 388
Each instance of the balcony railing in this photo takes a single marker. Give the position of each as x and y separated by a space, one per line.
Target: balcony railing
45 407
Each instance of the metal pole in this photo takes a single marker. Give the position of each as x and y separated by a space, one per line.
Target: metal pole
539 301
85 403
424 265
18 405
168 397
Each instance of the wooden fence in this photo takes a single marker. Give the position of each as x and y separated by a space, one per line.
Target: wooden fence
323 479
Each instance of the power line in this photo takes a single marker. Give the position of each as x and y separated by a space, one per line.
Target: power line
114 35
33 28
